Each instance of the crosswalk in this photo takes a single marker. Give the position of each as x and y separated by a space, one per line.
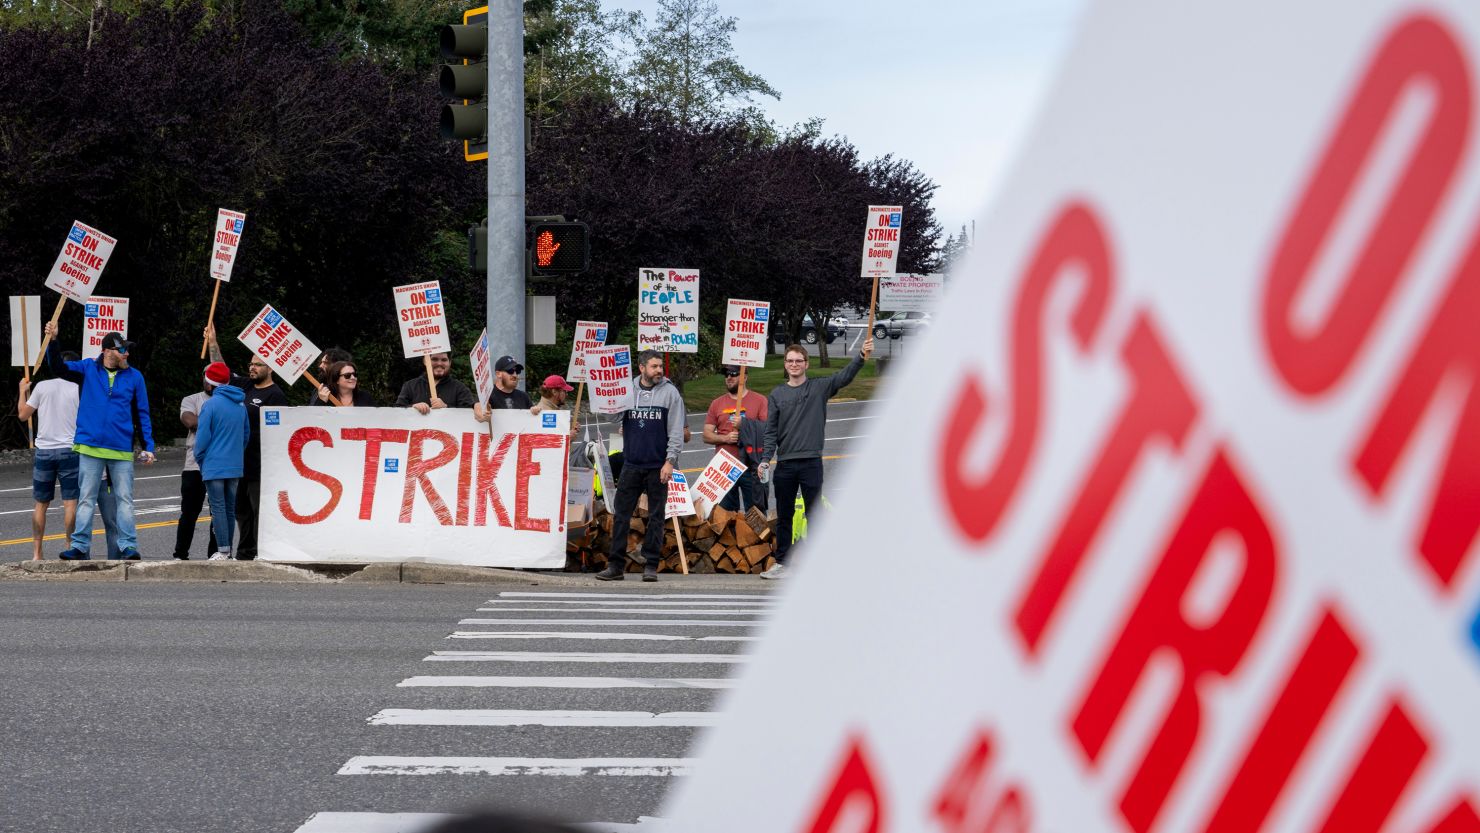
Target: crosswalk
609 687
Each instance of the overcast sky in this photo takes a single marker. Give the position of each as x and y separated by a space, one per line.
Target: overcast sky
948 84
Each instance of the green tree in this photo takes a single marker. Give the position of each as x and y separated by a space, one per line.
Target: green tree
685 64
573 51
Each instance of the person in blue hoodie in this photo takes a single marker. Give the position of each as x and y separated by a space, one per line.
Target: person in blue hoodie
220 448
111 397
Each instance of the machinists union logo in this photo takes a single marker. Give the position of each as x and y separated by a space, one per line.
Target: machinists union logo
392 465
548 420
434 296
272 417
273 318
77 235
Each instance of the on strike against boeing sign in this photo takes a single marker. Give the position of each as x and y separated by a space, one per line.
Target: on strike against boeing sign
388 484
1205 496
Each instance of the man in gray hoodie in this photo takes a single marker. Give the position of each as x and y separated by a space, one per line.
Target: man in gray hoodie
796 423
652 437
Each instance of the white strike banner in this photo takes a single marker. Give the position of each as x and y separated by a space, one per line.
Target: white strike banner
20 352
283 347
80 263
668 310
101 316
716 480
482 364
679 503
388 484
422 319
746 326
609 375
911 293
588 334
228 236
1193 544
881 240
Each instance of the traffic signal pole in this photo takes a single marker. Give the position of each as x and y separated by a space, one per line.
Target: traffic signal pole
505 313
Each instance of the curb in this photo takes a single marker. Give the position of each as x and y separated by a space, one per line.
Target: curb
334 573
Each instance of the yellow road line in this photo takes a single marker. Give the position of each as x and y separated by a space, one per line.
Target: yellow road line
96 532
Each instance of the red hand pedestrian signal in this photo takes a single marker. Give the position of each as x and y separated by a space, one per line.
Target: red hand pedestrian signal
545 248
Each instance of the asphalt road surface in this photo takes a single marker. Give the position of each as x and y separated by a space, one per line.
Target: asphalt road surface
157 491
326 708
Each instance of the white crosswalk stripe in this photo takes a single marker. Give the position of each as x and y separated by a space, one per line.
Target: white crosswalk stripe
575 719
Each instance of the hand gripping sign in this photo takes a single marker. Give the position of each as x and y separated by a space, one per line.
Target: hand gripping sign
716 480
746 326
280 344
668 310
101 316
609 373
1205 497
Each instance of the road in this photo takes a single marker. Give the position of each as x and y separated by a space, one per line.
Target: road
157 490
313 708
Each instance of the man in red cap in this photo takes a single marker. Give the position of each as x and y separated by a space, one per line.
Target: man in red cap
553 393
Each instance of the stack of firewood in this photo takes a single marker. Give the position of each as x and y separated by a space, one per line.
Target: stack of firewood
725 542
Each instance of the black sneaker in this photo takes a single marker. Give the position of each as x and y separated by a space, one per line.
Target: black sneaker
613 571
649 573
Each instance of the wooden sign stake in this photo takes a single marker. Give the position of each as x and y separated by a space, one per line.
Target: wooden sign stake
26 370
45 340
873 302
683 558
211 318
431 381
333 397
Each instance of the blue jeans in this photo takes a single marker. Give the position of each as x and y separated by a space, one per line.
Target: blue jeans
49 466
222 495
120 473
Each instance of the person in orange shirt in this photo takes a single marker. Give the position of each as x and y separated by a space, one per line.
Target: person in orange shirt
722 430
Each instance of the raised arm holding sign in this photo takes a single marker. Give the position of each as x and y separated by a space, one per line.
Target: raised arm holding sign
423 323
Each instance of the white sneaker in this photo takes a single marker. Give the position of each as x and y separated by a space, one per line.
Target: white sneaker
778 570
220 556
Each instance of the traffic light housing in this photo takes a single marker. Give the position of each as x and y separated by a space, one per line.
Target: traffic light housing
466 118
559 248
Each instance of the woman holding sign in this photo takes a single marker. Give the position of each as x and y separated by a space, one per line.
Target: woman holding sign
343 384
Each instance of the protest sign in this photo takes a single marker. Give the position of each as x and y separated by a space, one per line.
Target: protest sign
25 329
679 503
910 293
668 310
716 480
746 326
80 263
604 471
881 240
283 347
388 484
101 316
422 319
609 373
228 236
482 364
588 334
1193 545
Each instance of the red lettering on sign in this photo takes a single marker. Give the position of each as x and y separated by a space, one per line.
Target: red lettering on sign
1462 819
976 501
528 468
852 792
1159 410
487 490
1221 507
1378 779
1447 357
969 802
300 438
370 474
1420 54
1303 703
465 476
417 468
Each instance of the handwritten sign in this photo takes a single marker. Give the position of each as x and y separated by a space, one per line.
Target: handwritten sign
101 316
422 319
80 263
283 347
746 326
588 334
228 236
609 376
668 310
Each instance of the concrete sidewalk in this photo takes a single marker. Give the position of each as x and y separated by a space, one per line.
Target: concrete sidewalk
406 573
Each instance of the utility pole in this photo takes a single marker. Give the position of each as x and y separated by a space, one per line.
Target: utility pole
505 313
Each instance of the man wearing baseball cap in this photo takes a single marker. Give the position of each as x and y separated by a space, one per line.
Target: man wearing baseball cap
110 397
722 430
506 392
553 394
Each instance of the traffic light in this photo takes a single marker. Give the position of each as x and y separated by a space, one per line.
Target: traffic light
559 248
467 82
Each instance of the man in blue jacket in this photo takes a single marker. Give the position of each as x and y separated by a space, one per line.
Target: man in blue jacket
111 396
220 445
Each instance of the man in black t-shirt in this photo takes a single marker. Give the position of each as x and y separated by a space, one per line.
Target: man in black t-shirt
506 391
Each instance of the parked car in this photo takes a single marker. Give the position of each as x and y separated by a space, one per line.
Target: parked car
836 327
901 324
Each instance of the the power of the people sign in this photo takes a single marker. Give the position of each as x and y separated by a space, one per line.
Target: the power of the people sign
1191 545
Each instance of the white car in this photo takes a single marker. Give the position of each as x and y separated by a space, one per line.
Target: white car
901 324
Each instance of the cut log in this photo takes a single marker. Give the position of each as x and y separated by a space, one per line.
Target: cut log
720 519
727 537
756 556
745 536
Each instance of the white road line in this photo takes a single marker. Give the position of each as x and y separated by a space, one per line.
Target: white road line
422 822
55 508
136 480
579 656
539 717
630 597
649 611
565 682
402 765
666 623
648 637
630 600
